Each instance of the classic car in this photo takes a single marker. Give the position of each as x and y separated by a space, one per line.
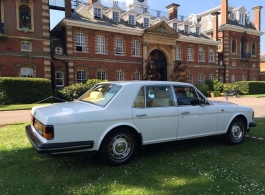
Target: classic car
115 118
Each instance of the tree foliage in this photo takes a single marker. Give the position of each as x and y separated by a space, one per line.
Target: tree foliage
179 72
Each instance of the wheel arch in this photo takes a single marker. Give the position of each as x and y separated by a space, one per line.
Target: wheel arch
241 116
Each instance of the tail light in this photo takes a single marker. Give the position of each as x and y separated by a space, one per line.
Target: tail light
48 132
253 114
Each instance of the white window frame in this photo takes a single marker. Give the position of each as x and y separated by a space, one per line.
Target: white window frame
190 78
252 49
211 77
211 55
178 52
253 78
97 12
198 31
120 76
253 64
241 18
115 16
80 41
136 48
131 19
146 22
26 46
101 44
186 29
175 27
221 79
136 76
244 77
81 76
233 78
27 72
190 54
201 55
119 45
60 78
102 75
201 79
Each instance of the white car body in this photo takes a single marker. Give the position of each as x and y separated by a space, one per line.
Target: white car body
83 122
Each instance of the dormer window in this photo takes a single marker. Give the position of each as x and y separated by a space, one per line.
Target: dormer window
232 16
116 16
241 18
186 29
175 27
131 20
198 31
247 19
97 13
146 22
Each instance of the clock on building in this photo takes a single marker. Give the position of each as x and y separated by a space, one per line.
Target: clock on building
141 0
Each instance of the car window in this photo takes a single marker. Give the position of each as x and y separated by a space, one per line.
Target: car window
101 94
154 96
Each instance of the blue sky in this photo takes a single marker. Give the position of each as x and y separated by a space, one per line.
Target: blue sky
188 7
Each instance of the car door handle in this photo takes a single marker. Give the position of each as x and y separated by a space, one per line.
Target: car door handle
141 115
186 112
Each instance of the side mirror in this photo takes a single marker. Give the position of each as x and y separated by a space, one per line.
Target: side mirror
202 102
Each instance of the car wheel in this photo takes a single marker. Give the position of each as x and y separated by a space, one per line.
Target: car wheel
236 131
118 147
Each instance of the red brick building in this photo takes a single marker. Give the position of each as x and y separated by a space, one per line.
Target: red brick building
115 42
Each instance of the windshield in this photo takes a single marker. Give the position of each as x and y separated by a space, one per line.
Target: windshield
101 94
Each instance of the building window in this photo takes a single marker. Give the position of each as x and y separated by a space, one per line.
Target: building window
232 16
135 48
234 63
81 76
244 77
221 79
26 46
102 75
26 72
119 76
190 54
253 49
146 22
116 16
59 79
119 46
201 55
175 27
219 46
198 31
211 77
201 79
211 55
233 78
136 76
178 52
131 20
233 47
25 17
97 13
186 29
101 44
253 64
190 78
253 78
80 42
241 19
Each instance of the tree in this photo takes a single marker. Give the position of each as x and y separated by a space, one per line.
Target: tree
151 72
179 72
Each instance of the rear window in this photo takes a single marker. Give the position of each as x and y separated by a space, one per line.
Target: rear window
101 94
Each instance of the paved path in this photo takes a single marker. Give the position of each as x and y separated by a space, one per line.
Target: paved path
258 104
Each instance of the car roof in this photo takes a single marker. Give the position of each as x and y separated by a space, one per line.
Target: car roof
147 83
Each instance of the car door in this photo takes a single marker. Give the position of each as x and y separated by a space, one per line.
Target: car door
195 119
155 115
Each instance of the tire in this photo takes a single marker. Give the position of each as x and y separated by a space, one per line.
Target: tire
118 147
236 132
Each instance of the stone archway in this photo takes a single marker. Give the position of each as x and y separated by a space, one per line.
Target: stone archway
159 61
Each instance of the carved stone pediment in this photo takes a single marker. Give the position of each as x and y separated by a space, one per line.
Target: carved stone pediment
162 28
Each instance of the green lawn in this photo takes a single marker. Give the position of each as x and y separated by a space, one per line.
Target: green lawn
19 106
198 166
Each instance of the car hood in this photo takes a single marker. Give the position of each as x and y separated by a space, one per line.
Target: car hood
62 110
216 102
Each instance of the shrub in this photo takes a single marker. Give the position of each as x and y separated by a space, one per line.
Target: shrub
23 90
214 85
228 86
203 88
250 87
74 91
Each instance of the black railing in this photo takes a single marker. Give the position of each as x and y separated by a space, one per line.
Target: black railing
2 28
245 55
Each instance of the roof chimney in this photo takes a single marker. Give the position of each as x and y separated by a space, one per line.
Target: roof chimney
215 25
172 11
68 9
224 11
257 18
92 1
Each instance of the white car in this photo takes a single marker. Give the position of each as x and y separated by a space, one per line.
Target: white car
115 118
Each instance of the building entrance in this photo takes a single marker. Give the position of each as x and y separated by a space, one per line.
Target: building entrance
158 60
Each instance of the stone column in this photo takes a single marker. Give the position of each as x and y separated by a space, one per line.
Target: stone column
145 55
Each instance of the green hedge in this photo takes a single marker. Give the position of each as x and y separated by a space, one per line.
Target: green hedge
23 90
203 88
250 87
74 91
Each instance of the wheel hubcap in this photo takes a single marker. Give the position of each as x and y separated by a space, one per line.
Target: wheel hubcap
237 131
120 146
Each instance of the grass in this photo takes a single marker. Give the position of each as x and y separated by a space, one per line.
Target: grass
253 96
197 166
19 106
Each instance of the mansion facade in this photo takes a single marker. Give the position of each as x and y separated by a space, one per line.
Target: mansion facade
117 42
